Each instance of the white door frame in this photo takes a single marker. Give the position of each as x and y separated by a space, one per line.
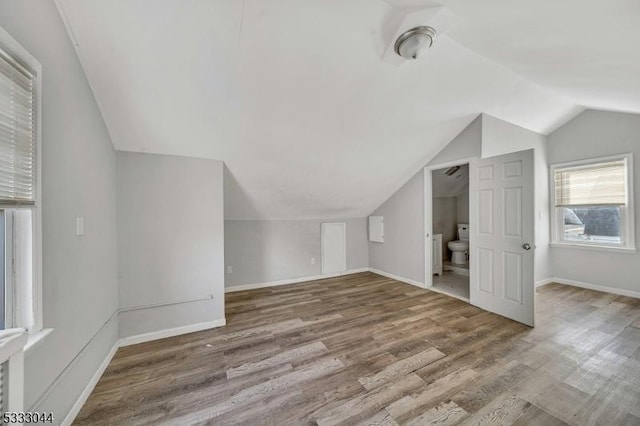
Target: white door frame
344 227
428 212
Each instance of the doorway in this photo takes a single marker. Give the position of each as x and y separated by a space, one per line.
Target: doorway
500 251
450 230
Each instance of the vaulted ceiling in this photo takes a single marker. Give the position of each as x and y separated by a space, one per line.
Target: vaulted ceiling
296 98
450 185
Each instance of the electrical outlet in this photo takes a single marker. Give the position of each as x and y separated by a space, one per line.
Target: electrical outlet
313 260
229 269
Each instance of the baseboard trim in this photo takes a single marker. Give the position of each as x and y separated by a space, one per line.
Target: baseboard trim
171 332
77 406
244 287
397 277
543 282
596 287
127 341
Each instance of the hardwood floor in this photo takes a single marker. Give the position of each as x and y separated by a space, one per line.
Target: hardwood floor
365 349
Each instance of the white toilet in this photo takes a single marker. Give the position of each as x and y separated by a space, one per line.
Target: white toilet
459 247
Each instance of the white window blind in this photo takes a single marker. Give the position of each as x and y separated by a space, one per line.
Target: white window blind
17 133
602 184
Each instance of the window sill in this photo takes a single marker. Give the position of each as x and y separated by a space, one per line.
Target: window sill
627 250
35 339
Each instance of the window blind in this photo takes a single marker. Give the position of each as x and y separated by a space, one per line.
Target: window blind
17 132
602 184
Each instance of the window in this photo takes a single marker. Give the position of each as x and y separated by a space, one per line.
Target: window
593 204
20 210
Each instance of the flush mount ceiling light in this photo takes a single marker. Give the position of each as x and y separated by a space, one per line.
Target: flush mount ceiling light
412 42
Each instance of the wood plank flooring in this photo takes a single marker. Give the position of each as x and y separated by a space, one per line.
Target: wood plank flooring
368 350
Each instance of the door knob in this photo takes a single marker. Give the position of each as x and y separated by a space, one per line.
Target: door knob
526 246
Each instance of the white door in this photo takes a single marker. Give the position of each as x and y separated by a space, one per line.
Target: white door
502 240
334 248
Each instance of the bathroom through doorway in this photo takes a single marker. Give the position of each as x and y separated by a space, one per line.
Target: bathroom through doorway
447 225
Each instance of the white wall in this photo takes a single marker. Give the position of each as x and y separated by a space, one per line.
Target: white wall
444 215
261 251
79 180
589 135
170 240
402 252
500 137
467 144
403 212
462 204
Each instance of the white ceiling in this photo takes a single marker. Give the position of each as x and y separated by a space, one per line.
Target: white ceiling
587 50
293 95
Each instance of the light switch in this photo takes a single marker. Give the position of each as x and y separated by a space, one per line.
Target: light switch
229 269
79 226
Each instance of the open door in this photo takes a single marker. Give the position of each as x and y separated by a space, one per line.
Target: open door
502 240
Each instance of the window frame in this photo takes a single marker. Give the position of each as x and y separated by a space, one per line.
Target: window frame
627 212
10 46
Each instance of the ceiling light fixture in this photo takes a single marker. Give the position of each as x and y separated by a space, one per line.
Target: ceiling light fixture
412 42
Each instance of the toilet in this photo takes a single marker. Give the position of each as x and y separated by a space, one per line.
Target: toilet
460 246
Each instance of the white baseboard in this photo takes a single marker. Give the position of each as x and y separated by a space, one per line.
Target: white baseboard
397 277
171 332
291 281
77 406
543 282
589 286
161 334
132 340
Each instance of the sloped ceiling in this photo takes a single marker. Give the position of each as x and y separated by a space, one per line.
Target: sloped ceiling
450 185
293 95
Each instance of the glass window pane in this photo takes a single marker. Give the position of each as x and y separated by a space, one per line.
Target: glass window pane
596 224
